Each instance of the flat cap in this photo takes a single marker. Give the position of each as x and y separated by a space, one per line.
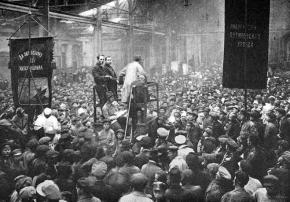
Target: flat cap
146 141
44 140
173 148
120 131
27 192
232 143
99 169
49 190
281 111
213 168
255 114
162 147
86 182
52 154
271 97
140 137
47 111
270 179
181 132
180 139
17 152
162 132
138 179
224 173
42 149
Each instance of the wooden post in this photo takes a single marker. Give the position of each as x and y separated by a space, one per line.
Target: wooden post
130 31
95 107
245 99
97 36
168 48
45 17
245 54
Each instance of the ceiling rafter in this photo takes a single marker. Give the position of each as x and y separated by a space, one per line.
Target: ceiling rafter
72 17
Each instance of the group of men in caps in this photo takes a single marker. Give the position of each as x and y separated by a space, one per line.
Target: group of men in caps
201 145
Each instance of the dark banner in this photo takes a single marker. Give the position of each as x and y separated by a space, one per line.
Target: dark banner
31 70
246 44
37 57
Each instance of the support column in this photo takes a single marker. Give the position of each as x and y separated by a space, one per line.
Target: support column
99 31
97 37
152 47
184 47
168 48
45 18
130 31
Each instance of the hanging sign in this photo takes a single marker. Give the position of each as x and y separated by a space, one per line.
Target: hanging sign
31 70
36 57
246 44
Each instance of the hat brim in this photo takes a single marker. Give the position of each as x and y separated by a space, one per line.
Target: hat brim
223 139
232 144
139 138
162 135
17 154
39 189
180 140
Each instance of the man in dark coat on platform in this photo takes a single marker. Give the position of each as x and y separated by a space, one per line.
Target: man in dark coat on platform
112 80
101 77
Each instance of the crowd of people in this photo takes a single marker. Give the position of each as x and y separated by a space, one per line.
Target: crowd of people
201 144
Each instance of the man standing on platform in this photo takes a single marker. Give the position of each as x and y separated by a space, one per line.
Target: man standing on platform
101 78
112 80
131 72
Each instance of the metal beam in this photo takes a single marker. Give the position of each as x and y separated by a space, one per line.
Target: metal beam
72 17
69 5
18 8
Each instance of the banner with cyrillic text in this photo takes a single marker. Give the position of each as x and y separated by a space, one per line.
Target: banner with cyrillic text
31 70
246 44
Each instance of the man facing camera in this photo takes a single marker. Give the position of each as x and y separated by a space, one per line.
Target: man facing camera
138 183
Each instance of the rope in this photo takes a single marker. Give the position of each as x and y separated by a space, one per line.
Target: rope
41 26
13 19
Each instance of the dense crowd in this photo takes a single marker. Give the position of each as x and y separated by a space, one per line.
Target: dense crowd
201 144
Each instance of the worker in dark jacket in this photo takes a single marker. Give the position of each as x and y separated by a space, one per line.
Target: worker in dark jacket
112 80
101 77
